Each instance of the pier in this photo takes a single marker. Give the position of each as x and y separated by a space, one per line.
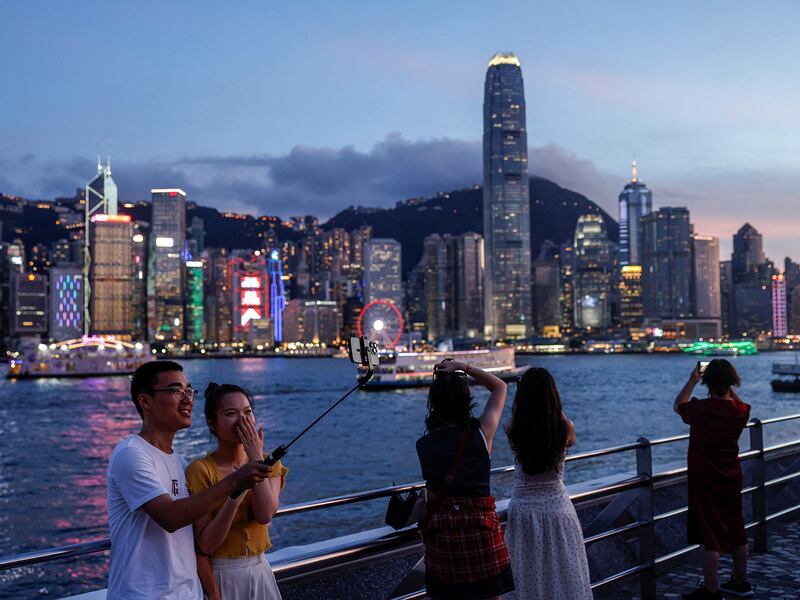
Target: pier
633 523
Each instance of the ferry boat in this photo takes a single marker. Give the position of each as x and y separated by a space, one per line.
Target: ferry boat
87 356
791 370
415 369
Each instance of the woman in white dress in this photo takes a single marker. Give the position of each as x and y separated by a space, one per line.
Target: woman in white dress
543 534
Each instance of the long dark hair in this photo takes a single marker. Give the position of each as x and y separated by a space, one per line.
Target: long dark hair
214 393
449 401
720 376
538 432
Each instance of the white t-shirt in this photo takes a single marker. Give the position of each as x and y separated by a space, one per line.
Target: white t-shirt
147 562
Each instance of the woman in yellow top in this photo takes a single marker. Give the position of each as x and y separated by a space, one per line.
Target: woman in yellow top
235 535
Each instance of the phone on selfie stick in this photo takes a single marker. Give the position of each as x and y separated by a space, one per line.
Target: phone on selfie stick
363 353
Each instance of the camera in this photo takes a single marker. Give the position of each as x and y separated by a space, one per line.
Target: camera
363 352
701 366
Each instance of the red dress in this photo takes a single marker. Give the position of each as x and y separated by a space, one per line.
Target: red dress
715 475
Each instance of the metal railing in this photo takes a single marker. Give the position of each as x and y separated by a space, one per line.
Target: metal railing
638 491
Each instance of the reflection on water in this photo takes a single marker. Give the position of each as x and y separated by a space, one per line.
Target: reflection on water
56 436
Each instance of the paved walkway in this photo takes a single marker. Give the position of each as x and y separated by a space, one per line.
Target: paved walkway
774 574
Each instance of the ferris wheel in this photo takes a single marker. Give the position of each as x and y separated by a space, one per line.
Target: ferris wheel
381 321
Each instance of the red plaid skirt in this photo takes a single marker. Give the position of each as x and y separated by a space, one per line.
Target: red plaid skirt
464 541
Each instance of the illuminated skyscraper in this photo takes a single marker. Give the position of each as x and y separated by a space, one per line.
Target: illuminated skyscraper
593 268
635 201
277 294
195 317
111 283
706 278
166 271
250 287
780 326
382 271
631 312
28 304
506 204
66 302
667 263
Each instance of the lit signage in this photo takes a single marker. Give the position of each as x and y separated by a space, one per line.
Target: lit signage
17 260
194 264
111 218
138 238
251 281
249 315
165 242
251 298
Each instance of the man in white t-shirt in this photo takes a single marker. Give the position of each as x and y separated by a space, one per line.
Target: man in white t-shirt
150 512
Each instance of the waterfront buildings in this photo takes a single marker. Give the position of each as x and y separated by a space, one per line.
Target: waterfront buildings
250 291
635 201
166 271
750 311
28 302
195 309
546 292
218 296
567 297
667 264
706 297
383 271
631 309
311 321
110 287
593 269
506 204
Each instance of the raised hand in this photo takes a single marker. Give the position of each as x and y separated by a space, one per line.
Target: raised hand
250 474
252 440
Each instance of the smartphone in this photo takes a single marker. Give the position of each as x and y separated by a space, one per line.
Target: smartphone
701 366
363 352
354 348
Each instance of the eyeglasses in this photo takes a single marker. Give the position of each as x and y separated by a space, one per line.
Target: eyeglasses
177 392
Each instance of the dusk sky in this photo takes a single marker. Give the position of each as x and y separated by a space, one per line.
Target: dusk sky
264 107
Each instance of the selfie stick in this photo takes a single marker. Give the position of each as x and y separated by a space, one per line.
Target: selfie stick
281 450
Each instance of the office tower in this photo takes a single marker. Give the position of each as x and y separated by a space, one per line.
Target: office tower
794 324
547 291
631 310
706 297
66 302
566 263
6 268
506 204
250 291
335 250
311 322
780 325
382 271
139 300
439 286
110 288
196 237
469 282
751 306
358 238
166 271
195 310
635 201
748 251
28 304
277 295
415 316
593 269
218 300
667 264
726 295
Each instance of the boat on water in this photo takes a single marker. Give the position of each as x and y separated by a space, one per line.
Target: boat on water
415 369
729 348
790 382
88 356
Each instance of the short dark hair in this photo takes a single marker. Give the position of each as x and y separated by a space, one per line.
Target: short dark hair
145 378
720 376
449 400
214 393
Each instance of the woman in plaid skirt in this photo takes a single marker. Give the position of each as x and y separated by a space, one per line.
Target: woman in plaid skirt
465 553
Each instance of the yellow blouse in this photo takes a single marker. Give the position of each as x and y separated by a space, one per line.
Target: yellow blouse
247 537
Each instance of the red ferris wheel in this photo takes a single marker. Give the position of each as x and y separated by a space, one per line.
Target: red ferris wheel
381 321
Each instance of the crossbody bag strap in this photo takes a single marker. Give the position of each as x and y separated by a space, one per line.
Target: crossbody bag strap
433 506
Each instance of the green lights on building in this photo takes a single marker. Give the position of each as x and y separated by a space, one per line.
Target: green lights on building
194 301
744 347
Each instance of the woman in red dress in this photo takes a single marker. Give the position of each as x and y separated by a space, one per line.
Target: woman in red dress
715 518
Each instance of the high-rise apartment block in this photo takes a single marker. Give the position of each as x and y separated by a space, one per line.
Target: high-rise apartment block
383 271
166 269
667 264
110 276
635 201
506 202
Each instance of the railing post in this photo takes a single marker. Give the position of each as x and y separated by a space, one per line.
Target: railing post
760 538
647 534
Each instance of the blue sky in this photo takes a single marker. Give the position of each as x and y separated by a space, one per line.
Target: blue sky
268 107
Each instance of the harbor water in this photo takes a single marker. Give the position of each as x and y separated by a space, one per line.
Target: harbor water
56 436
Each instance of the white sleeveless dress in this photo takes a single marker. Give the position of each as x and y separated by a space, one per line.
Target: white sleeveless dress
545 540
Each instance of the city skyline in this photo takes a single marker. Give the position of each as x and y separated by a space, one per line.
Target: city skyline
710 129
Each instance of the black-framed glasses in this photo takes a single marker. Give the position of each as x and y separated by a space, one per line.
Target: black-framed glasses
177 392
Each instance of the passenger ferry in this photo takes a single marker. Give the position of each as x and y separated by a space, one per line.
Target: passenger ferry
415 369
87 356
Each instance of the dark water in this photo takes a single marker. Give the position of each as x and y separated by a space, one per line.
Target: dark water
56 436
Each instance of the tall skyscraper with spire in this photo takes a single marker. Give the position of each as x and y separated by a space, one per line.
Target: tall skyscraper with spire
506 204
635 201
